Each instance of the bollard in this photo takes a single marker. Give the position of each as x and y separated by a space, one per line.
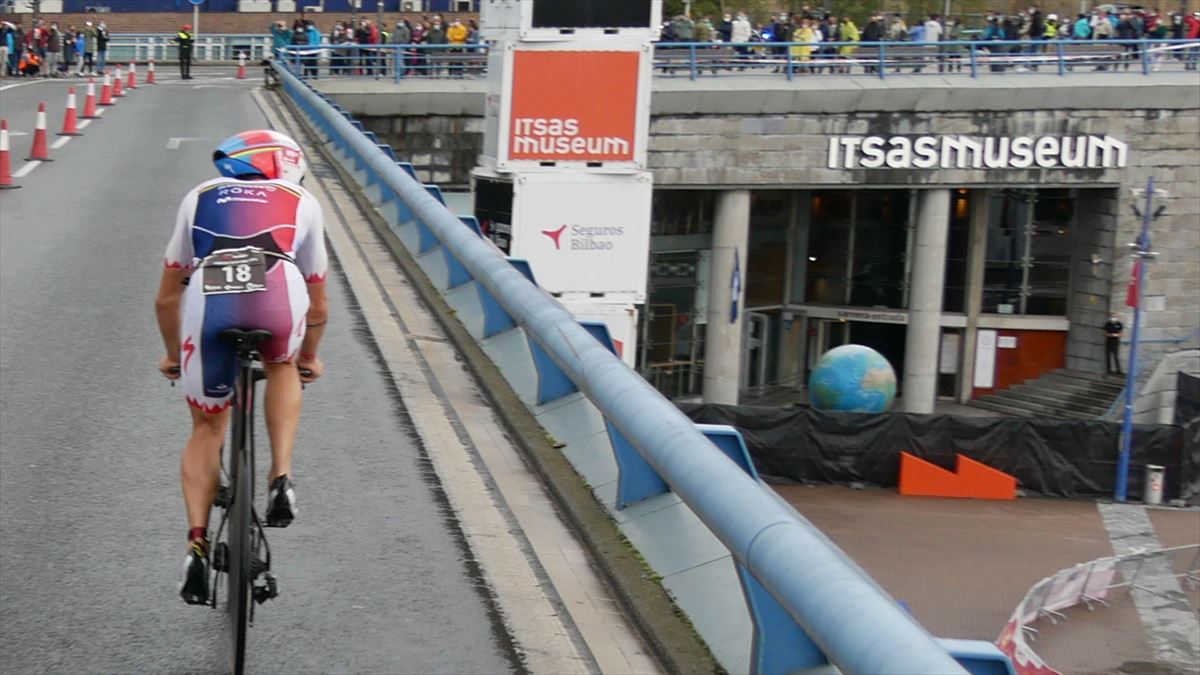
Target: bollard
1153 493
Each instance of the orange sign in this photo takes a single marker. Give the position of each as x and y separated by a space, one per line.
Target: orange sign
579 106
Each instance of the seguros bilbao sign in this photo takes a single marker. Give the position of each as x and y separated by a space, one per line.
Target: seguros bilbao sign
574 105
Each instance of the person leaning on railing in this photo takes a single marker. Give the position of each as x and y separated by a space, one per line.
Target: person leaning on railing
280 37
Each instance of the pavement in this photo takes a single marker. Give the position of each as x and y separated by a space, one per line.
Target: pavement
962 566
378 574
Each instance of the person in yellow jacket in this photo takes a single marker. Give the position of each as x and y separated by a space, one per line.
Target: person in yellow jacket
807 38
456 36
850 33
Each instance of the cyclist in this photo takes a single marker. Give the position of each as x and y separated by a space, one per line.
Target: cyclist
257 203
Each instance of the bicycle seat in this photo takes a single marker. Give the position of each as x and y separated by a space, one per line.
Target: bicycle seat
245 339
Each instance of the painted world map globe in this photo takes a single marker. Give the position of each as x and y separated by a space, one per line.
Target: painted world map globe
852 378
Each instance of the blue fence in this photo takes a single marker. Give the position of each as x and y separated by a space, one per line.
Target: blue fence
808 603
786 60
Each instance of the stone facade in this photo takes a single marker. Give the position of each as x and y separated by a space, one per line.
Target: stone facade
716 140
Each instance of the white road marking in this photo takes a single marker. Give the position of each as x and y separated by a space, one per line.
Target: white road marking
100 111
29 166
83 123
175 141
23 84
60 142
17 133
212 86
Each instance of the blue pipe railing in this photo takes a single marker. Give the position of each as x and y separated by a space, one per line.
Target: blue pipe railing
695 60
854 624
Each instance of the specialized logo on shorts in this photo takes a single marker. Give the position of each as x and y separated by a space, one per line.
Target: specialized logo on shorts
188 348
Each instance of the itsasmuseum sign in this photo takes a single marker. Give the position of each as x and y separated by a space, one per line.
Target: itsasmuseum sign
974 152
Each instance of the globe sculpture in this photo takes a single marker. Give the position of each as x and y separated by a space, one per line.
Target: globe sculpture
852 378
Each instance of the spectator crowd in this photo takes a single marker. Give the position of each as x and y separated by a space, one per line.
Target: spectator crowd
48 50
365 33
813 34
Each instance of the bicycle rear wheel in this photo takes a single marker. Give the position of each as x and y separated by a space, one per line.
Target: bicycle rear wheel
241 578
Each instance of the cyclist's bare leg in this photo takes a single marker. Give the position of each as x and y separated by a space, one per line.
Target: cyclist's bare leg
200 467
283 415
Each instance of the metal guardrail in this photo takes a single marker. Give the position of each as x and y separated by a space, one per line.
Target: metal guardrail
209 47
859 628
787 60
1089 583
695 60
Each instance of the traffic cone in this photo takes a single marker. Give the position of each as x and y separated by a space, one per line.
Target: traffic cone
6 182
133 76
89 103
150 73
106 98
117 91
70 124
40 150
241 74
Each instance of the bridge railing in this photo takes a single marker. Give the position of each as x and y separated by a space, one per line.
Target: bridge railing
844 616
788 60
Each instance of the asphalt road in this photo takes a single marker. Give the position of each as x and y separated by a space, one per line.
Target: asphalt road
373 576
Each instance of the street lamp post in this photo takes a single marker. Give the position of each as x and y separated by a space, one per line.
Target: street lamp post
1141 255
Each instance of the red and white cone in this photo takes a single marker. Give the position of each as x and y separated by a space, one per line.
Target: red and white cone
133 76
106 98
89 103
241 74
6 179
118 92
40 151
150 73
70 121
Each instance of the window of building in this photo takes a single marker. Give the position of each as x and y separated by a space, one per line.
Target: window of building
677 212
857 246
830 224
1028 252
880 243
957 244
765 266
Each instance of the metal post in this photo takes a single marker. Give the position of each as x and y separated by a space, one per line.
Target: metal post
1143 48
1142 248
195 22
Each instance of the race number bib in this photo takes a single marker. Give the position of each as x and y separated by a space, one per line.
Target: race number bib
239 270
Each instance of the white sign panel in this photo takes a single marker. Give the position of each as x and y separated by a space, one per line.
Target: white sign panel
1007 342
621 320
585 234
985 359
971 152
948 359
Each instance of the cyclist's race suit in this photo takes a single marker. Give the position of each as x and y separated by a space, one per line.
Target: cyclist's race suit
278 217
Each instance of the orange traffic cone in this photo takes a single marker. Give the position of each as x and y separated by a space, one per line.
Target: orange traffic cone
70 122
150 73
89 103
6 181
133 76
40 150
106 98
241 74
117 91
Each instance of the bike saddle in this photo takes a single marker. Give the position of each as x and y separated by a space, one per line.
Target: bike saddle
245 338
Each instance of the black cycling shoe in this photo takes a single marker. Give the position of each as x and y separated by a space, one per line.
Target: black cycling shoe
281 502
194 587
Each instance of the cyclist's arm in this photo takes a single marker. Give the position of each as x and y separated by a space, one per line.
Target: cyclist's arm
313 260
318 315
166 308
177 265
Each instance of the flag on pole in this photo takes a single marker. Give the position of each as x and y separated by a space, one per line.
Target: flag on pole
1131 292
735 288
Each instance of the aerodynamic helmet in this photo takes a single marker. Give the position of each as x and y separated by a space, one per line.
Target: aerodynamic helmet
260 154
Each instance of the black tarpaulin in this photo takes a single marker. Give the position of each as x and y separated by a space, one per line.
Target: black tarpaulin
1069 458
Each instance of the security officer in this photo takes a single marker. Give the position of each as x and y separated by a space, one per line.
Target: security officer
185 39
